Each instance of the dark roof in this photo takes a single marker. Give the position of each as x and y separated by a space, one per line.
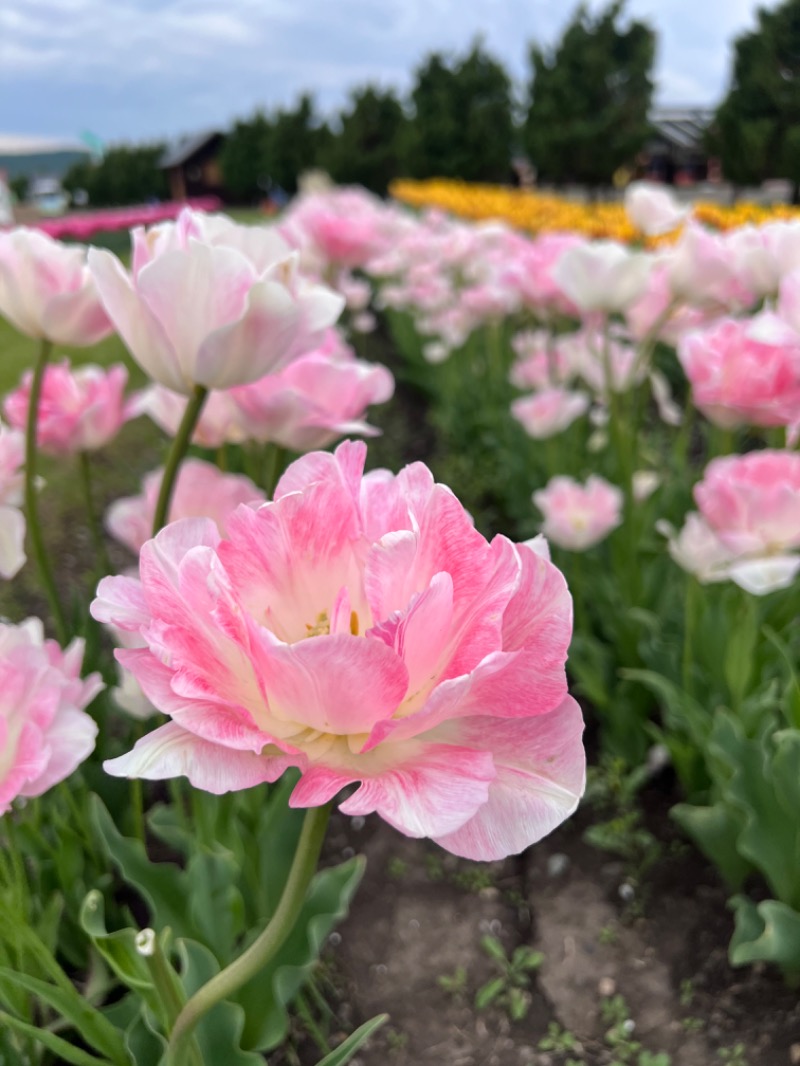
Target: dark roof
682 127
184 148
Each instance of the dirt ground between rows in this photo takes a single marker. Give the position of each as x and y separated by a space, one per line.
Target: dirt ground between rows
420 915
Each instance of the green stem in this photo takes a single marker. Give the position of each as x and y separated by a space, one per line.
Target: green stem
689 609
262 950
31 505
95 529
274 464
176 453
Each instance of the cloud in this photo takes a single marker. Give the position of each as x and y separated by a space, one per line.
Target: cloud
137 68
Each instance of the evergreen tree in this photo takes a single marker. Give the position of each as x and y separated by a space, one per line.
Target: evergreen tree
370 148
590 97
127 174
463 123
757 129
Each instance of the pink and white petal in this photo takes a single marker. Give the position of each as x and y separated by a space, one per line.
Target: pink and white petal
319 785
435 792
539 614
335 684
120 601
171 751
143 335
12 541
761 576
541 775
228 725
70 739
346 465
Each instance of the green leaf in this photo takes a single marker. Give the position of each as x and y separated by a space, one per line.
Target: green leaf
489 992
716 830
766 932
518 1004
345 1051
163 885
219 1032
65 1051
266 997
494 949
85 1019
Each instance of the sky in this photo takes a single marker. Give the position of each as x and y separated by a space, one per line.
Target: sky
133 70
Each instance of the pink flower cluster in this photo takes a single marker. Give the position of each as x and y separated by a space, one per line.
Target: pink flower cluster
359 629
45 732
577 517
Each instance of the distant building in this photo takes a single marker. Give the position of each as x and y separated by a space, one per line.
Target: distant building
40 157
676 152
192 165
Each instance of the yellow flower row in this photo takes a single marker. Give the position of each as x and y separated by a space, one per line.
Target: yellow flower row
538 212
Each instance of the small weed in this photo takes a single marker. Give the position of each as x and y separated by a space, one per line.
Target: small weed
559 1040
686 992
396 1040
396 868
454 984
509 990
692 1025
434 868
608 934
473 879
733 1056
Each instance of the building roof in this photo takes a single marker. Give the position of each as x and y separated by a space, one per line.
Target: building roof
683 127
184 148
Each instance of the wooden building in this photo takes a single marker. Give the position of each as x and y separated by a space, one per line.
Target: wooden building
192 165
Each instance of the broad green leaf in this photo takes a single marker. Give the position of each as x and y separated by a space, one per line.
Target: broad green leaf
492 946
766 932
85 1019
220 1030
65 1051
715 830
345 1051
266 997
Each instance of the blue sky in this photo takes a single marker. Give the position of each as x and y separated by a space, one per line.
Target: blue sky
138 69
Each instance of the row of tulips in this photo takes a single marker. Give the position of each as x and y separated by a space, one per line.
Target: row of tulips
286 636
642 410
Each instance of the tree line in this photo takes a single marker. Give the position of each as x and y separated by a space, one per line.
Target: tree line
584 115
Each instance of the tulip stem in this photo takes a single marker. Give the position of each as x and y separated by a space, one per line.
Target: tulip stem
176 454
263 949
95 528
31 506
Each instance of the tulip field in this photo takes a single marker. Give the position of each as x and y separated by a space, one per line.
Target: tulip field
399 654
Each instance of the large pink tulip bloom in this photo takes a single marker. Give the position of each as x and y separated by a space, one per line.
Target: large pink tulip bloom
12 519
206 304
578 516
738 379
201 491
321 396
45 732
80 410
360 629
47 292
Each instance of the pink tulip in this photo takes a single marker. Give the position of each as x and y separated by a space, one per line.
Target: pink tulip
542 360
12 519
578 516
360 629
201 491
737 379
702 271
47 292
321 396
549 411
653 209
80 410
45 733
343 227
208 304
750 506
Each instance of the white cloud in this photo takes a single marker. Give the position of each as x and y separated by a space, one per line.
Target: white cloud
132 68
